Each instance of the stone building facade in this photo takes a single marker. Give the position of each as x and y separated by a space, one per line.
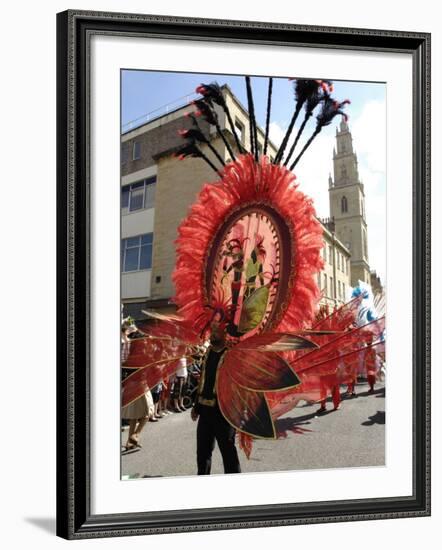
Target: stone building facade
157 191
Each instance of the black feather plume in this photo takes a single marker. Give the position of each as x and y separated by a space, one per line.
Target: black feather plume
205 111
195 134
329 109
306 90
212 93
190 149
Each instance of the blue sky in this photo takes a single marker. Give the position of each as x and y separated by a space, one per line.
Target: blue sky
145 92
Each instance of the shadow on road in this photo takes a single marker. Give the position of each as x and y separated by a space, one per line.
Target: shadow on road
294 425
380 392
378 418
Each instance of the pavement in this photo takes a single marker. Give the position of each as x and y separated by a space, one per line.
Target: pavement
353 436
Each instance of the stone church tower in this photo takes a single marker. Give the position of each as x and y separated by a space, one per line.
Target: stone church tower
347 204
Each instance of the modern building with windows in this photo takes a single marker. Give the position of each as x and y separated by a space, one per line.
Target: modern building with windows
157 190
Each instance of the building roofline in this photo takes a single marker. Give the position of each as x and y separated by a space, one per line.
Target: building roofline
188 106
137 128
332 235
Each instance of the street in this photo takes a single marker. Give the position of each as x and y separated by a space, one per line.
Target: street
352 436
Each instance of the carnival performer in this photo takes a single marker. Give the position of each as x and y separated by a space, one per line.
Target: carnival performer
212 426
266 351
329 381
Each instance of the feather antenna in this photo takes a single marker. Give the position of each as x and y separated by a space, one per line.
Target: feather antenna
312 101
269 106
197 135
330 108
191 149
253 144
212 93
204 110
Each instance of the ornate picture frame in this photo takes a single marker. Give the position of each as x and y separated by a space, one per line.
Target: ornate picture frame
75 29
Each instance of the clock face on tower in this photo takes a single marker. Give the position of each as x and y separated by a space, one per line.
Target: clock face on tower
248 268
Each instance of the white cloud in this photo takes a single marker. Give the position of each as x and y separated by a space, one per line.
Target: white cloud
369 136
311 175
276 133
313 171
369 139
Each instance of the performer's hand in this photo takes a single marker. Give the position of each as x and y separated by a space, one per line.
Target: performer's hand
194 415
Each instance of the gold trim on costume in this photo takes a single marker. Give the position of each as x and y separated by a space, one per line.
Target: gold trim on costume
208 402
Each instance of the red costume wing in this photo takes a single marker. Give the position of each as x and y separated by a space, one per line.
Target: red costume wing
179 330
137 383
274 341
258 371
156 355
342 318
352 340
141 352
323 375
245 410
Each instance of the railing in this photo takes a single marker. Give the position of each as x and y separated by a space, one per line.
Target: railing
156 113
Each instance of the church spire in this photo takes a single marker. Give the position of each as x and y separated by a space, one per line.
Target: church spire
345 163
343 126
347 204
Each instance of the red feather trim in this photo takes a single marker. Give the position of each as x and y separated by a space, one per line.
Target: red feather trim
244 181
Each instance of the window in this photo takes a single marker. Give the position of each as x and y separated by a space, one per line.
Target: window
325 284
344 205
239 127
343 291
332 288
136 150
136 253
330 254
139 195
339 290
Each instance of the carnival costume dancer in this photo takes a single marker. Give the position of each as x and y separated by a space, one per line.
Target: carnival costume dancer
211 423
248 253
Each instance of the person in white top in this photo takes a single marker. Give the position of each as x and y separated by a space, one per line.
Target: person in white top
179 385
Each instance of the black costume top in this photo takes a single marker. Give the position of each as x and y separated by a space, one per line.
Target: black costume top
206 393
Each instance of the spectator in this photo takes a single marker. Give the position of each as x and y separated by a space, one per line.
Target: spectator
179 385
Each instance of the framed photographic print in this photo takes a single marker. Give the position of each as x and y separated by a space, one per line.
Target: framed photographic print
243 274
